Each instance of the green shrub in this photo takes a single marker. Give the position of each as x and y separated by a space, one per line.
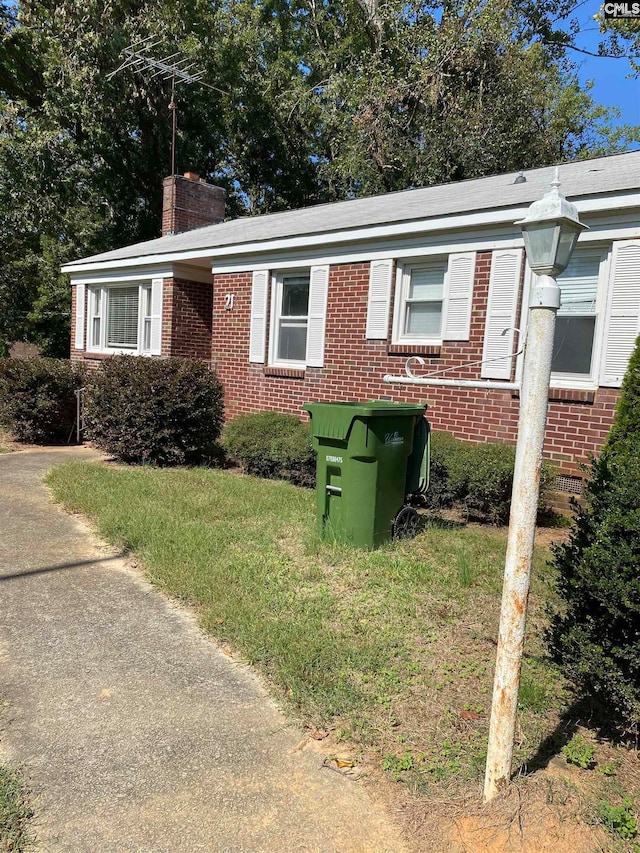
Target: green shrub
476 477
273 445
619 820
579 752
447 476
490 481
156 411
596 636
37 401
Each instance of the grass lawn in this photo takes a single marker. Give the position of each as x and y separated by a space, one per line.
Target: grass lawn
391 648
15 813
391 651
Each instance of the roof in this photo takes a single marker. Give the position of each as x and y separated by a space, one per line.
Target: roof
581 178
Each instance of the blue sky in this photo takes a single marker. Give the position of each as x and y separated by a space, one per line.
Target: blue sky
611 88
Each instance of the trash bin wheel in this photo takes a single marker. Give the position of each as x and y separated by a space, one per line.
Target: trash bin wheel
405 524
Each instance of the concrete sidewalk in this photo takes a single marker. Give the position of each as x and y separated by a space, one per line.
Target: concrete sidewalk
134 731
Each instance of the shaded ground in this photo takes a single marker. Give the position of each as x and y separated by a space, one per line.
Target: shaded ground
134 731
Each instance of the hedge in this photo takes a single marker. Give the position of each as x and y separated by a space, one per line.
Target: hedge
272 445
478 478
154 411
595 635
37 400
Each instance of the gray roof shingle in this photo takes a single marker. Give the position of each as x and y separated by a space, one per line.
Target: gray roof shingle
582 178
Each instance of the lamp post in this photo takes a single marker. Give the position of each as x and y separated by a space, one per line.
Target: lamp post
550 230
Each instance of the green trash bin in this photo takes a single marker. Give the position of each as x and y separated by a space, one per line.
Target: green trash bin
363 469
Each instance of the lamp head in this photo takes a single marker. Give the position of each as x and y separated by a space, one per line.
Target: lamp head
551 229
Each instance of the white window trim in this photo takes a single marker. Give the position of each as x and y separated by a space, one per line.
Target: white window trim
274 317
576 381
102 347
403 282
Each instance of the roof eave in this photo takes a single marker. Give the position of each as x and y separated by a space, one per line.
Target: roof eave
496 216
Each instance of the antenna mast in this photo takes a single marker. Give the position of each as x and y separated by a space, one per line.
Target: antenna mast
136 57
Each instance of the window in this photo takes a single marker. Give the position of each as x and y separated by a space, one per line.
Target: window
577 319
420 306
146 319
122 318
296 302
95 299
291 318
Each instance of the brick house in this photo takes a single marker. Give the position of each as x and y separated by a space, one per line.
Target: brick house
322 303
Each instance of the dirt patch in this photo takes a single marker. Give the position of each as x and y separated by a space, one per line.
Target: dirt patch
554 809
542 815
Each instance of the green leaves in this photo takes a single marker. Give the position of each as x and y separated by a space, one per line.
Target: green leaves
155 411
597 637
312 102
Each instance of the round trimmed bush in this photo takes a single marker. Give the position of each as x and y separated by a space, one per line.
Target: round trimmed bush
37 400
154 411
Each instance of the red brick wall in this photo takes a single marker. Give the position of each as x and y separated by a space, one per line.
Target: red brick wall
354 368
188 203
186 318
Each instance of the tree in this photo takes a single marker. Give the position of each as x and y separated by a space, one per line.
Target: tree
622 39
312 101
596 636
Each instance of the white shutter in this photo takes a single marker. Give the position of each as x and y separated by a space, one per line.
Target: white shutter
156 316
258 326
318 289
623 323
456 322
80 301
504 283
380 273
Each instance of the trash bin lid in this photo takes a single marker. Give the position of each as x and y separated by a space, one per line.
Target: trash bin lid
334 420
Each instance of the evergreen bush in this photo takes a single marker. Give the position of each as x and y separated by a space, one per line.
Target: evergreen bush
37 400
155 411
272 445
478 478
596 635
448 474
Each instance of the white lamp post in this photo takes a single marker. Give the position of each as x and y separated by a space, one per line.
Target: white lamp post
550 230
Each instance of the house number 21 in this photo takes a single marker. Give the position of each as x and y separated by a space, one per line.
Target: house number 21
228 301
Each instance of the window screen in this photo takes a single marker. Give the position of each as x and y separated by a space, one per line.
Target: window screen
292 331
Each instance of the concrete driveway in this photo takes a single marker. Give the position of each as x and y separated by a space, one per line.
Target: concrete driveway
134 731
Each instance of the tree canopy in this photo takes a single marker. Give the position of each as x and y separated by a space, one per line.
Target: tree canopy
314 100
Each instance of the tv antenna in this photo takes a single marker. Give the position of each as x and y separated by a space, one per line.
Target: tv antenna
170 67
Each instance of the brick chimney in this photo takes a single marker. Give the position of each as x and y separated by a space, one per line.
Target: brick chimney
189 202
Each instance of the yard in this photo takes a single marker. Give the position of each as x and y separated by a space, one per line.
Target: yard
385 657
15 813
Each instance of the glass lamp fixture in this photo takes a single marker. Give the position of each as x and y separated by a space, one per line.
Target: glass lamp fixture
550 230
